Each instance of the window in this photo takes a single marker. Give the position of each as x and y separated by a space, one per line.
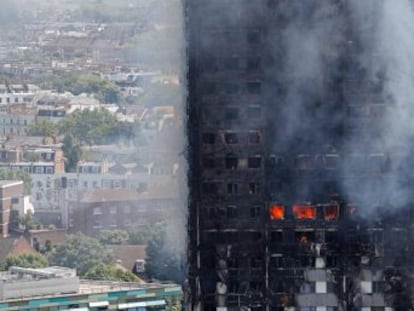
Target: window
39 170
95 184
254 112
254 87
232 188
97 211
253 63
231 211
231 162
39 196
127 209
209 138
112 210
253 188
15 200
254 138
209 163
254 162
210 188
231 63
49 170
231 138
231 114
16 99
254 37
254 211
97 223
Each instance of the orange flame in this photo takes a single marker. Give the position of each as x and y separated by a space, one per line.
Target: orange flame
331 211
304 211
303 239
277 212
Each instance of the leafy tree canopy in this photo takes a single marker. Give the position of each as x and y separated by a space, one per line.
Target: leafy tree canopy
110 273
163 261
7 174
80 252
44 128
26 261
113 236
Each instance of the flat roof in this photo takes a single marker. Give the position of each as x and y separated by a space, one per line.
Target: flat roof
8 183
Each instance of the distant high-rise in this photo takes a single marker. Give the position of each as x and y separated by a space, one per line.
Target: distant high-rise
299 199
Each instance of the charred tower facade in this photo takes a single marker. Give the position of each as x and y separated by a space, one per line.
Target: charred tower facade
299 199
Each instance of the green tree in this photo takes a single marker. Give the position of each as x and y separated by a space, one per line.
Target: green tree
45 129
7 174
72 152
80 252
88 126
113 236
26 261
28 221
163 262
110 273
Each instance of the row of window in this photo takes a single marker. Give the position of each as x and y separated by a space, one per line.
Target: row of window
113 210
214 188
232 162
231 88
232 138
232 113
232 63
33 169
17 121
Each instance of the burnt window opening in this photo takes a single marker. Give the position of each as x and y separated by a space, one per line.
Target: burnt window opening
275 162
209 163
209 138
231 211
254 87
330 161
305 162
276 262
232 188
221 212
254 188
210 188
254 37
331 261
210 88
254 211
331 237
231 63
254 63
231 138
254 162
211 213
231 114
305 236
254 112
254 138
231 162
276 236
378 287
233 262
255 286
256 262
231 88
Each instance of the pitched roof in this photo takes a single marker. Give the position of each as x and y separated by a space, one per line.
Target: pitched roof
128 254
14 246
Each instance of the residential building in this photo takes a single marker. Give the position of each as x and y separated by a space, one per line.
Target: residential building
123 208
11 192
16 119
17 94
290 164
59 288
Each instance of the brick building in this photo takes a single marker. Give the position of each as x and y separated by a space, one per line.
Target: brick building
11 191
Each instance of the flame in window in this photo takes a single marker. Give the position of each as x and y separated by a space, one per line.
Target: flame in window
332 211
277 212
304 211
